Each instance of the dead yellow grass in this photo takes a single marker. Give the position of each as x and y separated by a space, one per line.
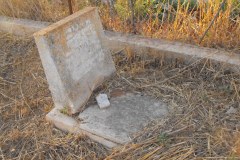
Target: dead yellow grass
199 95
41 10
31 9
183 24
24 102
188 25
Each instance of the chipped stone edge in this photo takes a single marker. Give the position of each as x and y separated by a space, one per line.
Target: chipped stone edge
69 124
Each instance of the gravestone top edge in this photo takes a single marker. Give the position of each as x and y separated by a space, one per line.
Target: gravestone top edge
68 19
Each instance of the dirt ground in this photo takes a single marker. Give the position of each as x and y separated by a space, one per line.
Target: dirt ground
204 124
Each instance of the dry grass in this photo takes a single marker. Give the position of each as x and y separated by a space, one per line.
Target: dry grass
24 102
40 10
183 23
199 95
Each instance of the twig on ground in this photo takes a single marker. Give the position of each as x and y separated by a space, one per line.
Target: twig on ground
214 18
2 153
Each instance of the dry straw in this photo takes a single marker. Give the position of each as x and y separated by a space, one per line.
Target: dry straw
203 96
185 22
203 99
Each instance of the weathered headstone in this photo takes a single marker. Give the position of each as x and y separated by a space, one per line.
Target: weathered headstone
74 58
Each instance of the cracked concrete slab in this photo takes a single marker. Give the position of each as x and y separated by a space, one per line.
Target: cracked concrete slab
113 126
127 115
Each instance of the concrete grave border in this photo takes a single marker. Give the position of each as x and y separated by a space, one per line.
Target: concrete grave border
138 44
171 50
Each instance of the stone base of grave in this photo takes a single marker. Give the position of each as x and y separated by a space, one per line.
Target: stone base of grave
113 126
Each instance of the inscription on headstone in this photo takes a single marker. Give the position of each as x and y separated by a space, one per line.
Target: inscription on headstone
74 58
83 40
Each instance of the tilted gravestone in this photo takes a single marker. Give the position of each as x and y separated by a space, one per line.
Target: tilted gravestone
74 58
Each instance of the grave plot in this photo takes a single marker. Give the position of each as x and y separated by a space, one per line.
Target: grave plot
202 98
203 95
76 61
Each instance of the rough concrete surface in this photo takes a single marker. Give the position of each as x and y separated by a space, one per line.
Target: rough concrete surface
127 115
21 27
170 49
69 124
74 58
115 125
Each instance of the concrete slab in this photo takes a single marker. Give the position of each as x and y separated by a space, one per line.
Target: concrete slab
74 58
71 125
127 115
112 126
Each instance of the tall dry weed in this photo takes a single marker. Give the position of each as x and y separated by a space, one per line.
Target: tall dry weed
185 22
180 20
44 10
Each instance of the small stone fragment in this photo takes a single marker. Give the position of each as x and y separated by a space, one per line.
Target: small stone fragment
102 100
231 110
